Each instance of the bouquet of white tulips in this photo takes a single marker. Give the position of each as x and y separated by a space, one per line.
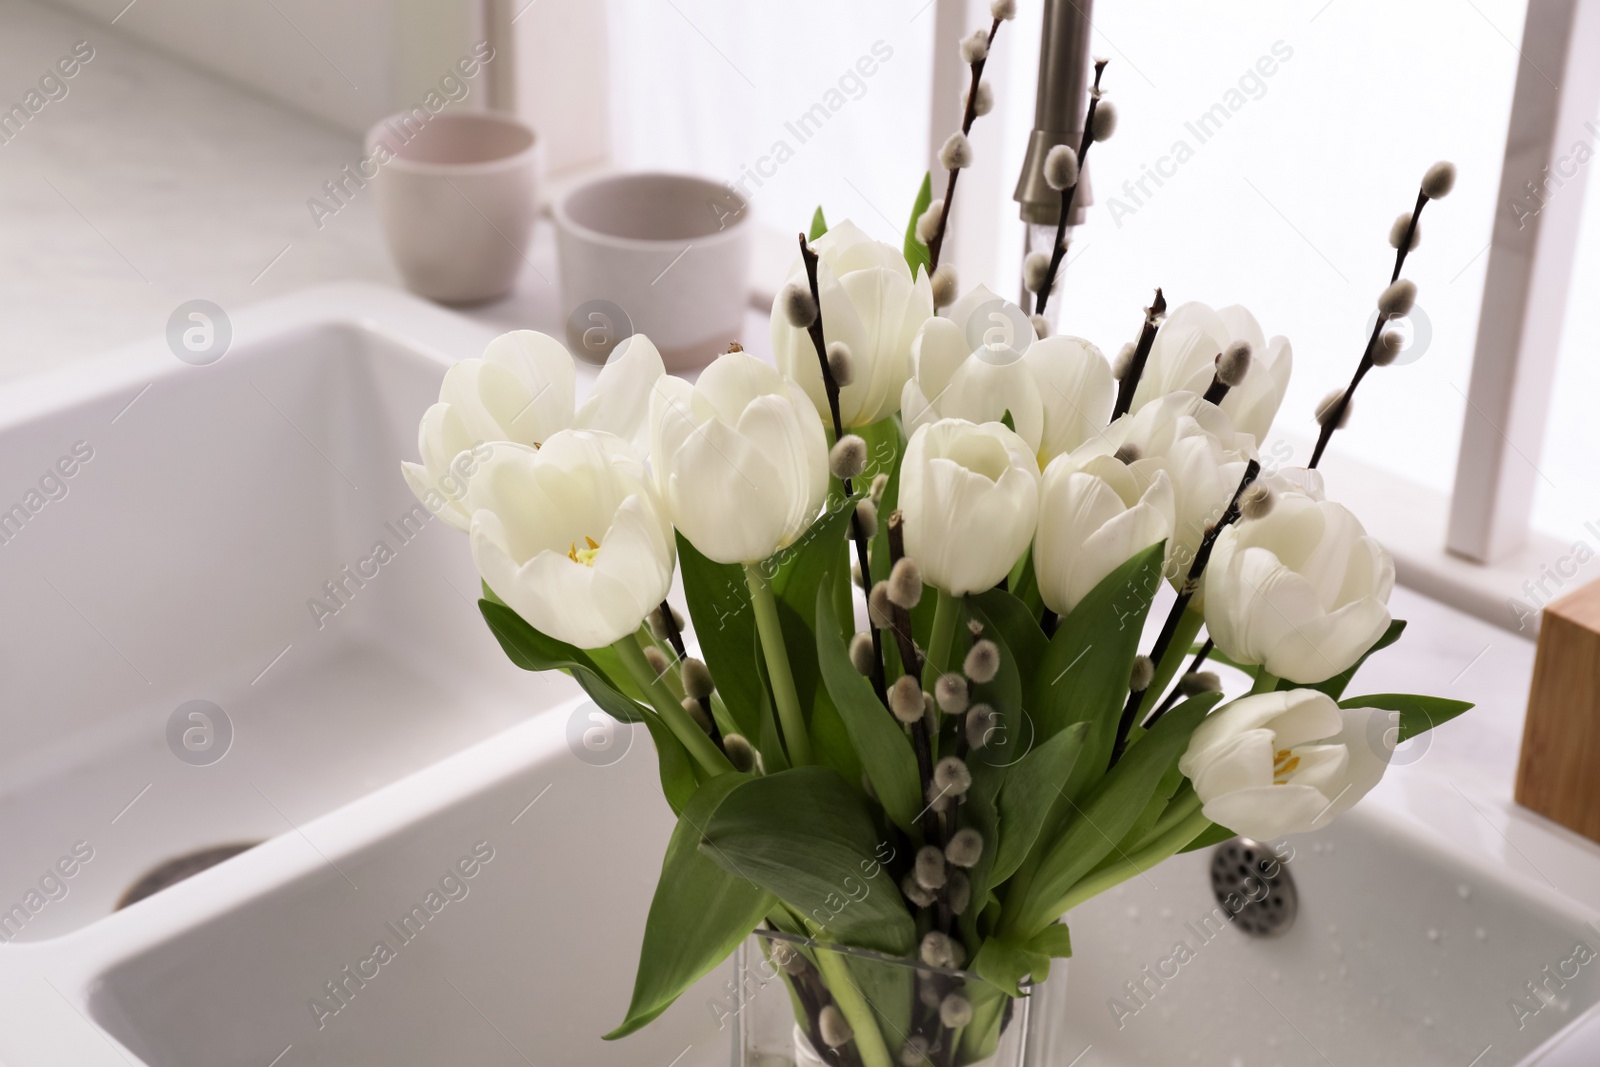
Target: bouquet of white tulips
912 711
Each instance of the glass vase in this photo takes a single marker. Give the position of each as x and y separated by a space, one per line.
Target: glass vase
890 1009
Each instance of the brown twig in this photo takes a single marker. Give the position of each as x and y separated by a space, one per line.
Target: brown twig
858 533
937 244
1141 354
1059 252
669 623
1334 416
1191 584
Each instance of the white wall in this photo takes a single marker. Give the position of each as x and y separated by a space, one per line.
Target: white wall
346 62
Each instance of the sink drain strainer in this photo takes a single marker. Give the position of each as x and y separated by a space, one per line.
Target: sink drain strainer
1247 871
177 869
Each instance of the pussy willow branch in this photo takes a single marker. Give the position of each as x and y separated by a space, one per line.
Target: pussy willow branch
1141 355
1335 416
1191 583
1194 665
858 533
1059 252
675 638
911 664
967 119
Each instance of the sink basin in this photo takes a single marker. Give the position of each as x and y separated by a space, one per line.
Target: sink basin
1402 951
403 786
206 508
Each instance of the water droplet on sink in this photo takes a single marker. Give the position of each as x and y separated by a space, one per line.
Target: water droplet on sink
1433 934
1332 928
1276 976
1344 972
1481 934
1464 891
1166 913
1322 976
1427 1020
1133 913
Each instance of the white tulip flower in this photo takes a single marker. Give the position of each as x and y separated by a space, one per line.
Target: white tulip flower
981 360
872 304
1092 519
522 391
970 497
970 364
1183 360
572 536
1302 591
1195 444
740 458
1285 762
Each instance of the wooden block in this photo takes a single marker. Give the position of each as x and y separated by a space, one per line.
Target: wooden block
1558 775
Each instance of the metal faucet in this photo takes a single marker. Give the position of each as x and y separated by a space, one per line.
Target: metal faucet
1064 66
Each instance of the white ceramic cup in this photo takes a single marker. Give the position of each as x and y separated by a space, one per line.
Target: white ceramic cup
456 200
665 255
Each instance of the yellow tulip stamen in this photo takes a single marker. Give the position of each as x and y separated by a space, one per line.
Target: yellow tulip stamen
1284 764
584 556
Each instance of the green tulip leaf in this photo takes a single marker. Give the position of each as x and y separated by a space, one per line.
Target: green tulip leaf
699 915
916 253
1084 675
1030 789
1214 836
1004 966
724 625
807 837
1054 940
819 225
886 754
1105 816
1417 714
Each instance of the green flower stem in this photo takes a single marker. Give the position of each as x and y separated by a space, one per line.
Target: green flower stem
796 740
1265 683
981 1036
1183 637
946 613
855 1009
700 746
1162 848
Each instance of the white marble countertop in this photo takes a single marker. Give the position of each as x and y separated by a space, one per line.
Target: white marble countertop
151 184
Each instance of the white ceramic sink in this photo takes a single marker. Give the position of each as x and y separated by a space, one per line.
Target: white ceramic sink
394 744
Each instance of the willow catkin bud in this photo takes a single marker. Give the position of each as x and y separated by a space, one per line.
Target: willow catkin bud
861 655
1142 674
798 307
1196 682
835 1032
952 776
1061 167
929 867
956 153
1328 405
841 364
1234 363
965 847
739 752
905 583
848 457
697 681
1440 179
905 699
950 693
982 662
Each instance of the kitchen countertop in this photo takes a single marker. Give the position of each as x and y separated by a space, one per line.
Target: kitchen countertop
152 183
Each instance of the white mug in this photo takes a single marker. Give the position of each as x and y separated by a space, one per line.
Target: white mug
455 194
665 255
